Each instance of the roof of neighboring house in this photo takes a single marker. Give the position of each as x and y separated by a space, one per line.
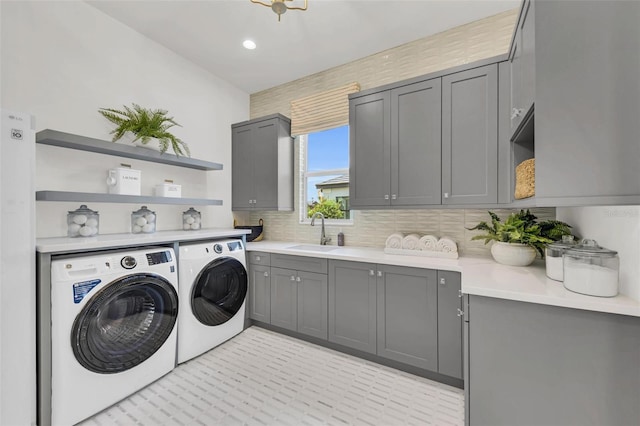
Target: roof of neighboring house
334 182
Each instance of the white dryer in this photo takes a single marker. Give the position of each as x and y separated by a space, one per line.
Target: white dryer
113 328
213 290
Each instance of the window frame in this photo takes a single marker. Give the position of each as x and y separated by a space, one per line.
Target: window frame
303 179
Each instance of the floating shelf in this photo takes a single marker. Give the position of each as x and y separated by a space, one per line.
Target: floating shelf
71 141
90 197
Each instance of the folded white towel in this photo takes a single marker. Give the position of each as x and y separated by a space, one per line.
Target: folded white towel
447 245
410 242
428 242
394 240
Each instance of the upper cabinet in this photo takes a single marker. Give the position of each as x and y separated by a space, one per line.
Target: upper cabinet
470 136
577 62
395 146
262 164
428 141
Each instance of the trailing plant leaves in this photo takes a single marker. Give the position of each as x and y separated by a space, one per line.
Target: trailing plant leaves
145 124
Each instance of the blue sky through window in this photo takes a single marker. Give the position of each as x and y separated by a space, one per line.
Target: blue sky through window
328 149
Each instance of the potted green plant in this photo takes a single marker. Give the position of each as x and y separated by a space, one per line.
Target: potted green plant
146 125
519 237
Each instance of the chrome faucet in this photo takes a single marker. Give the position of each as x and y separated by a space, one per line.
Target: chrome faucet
323 238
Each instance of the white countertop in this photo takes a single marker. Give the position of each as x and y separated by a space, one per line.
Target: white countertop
481 276
66 244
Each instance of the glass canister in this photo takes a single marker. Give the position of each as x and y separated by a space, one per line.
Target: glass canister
82 222
143 220
591 269
553 257
191 219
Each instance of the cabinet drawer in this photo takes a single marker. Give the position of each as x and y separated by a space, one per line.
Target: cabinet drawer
259 258
299 263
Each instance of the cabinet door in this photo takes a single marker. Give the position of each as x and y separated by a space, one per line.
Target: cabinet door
260 293
242 168
265 173
415 143
284 298
370 150
528 58
312 304
470 136
352 305
449 324
408 316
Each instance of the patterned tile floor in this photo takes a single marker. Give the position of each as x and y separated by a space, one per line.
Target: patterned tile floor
265 378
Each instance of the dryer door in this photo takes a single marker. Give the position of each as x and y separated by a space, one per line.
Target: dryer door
125 323
219 291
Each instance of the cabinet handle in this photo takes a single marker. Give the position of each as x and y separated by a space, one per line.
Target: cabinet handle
249 201
298 279
515 113
257 258
445 195
254 201
293 278
460 312
266 274
443 281
386 196
459 293
393 196
371 272
379 273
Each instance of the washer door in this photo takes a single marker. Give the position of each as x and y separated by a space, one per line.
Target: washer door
125 323
219 291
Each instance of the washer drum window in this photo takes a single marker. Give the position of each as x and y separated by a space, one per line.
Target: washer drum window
125 323
219 291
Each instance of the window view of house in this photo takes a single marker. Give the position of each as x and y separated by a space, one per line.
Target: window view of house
326 173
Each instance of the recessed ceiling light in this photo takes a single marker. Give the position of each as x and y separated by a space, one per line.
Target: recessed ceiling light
249 44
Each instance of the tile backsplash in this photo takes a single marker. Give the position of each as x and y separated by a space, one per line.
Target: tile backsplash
372 227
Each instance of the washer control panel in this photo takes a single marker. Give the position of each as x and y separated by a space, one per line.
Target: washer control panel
159 257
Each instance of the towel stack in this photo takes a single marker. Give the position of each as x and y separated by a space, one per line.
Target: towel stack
426 245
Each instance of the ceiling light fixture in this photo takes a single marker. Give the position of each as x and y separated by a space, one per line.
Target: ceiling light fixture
249 44
280 6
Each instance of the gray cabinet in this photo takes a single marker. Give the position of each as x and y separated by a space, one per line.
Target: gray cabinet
395 146
260 293
450 323
533 364
352 305
470 136
293 299
262 164
408 315
522 61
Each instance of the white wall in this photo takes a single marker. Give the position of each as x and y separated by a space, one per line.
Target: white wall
616 228
62 60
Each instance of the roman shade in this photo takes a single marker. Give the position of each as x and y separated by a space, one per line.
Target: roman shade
322 111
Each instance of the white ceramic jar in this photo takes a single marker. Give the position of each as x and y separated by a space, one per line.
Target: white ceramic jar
591 269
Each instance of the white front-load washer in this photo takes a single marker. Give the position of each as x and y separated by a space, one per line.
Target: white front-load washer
213 290
113 328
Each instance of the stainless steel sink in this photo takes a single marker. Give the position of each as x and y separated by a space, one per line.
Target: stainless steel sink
313 247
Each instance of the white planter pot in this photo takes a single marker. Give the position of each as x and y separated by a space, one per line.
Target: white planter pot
513 254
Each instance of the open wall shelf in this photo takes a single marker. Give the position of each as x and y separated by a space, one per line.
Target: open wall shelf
82 143
89 197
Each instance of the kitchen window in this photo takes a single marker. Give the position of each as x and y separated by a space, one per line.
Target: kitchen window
324 166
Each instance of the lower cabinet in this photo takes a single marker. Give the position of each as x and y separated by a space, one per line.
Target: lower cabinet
408 315
352 305
292 299
299 301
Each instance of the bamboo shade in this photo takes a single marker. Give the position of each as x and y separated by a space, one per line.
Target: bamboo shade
321 111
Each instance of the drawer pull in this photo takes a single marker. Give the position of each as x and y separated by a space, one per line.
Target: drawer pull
257 258
293 278
460 312
443 281
298 279
266 274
